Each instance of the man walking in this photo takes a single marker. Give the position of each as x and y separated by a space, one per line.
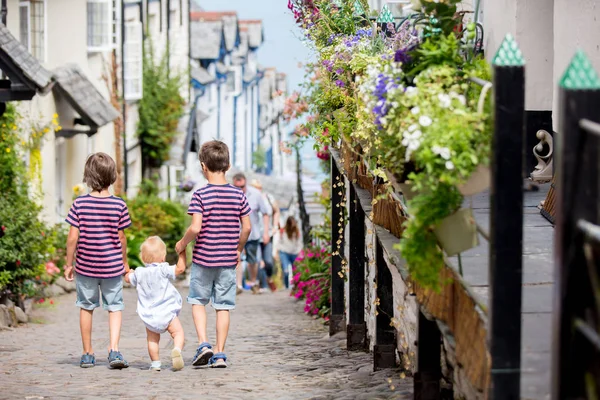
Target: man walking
258 207
266 248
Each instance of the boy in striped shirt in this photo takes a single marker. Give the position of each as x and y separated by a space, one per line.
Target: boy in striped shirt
97 222
220 226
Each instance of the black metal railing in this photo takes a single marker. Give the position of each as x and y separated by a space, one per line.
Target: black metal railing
505 260
576 352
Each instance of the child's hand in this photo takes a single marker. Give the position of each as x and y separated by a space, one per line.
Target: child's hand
127 269
69 273
179 247
127 276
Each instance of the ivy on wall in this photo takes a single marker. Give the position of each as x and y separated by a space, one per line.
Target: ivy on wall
159 110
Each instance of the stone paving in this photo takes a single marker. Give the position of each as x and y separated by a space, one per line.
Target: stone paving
275 352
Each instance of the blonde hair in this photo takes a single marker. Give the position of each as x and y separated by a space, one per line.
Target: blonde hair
153 250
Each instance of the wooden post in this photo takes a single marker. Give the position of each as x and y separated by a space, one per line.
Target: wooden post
506 222
577 199
337 320
385 334
429 360
357 328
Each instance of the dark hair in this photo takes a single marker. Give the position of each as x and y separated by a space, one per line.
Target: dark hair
100 171
215 156
291 228
239 177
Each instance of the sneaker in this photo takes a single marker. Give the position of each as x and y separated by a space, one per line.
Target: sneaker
176 359
157 369
203 354
256 289
272 286
87 361
239 290
116 360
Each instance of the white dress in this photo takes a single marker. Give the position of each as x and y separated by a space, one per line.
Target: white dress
158 300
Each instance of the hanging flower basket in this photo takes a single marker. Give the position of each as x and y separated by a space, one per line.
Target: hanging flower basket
477 183
187 186
458 232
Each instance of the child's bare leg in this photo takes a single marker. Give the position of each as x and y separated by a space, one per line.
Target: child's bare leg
114 326
199 314
85 324
222 329
176 331
153 340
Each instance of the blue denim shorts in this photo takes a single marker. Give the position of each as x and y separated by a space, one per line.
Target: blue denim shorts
215 285
90 289
252 251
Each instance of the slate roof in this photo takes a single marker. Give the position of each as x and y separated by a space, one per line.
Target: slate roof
255 32
202 76
16 59
231 31
207 38
238 56
83 96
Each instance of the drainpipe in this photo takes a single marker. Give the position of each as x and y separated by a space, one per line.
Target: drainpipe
235 101
4 14
252 123
123 105
168 49
219 111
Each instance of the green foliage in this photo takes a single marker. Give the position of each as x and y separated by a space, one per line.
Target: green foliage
160 109
259 158
152 216
24 248
12 167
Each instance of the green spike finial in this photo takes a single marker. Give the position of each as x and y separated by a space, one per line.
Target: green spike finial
358 9
580 74
385 16
508 55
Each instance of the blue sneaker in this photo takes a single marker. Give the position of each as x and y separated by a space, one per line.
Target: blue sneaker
116 360
87 361
203 354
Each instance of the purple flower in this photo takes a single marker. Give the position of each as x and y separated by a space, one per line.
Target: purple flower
402 56
339 71
340 83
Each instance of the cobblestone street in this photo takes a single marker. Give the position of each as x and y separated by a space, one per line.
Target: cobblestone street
275 351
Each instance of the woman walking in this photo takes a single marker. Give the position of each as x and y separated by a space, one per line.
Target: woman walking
289 247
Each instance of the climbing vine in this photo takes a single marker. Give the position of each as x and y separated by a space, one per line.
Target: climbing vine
159 110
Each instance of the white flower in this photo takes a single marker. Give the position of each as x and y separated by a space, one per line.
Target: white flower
424 120
411 91
449 165
444 152
445 100
383 121
415 110
462 99
413 127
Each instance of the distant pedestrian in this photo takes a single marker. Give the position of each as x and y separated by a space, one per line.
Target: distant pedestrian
266 249
159 303
258 207
217 209
97 221
290 246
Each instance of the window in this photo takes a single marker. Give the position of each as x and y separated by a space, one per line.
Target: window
24 22
133 60
233 81
101 33
32 31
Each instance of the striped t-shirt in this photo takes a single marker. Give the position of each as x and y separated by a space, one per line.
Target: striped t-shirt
99 220
222 207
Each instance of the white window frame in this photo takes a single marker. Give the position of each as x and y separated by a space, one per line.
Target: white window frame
133 54
109 38
234 76
27 6
40 36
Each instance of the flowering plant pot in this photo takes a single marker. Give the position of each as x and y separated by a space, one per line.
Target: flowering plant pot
458 232
187 186
477 182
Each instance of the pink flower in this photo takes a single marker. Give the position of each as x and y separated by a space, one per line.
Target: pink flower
51 268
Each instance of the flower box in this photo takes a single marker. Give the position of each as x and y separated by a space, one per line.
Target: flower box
458 232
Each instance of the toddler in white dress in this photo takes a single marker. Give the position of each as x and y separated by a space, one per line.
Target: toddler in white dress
159 303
